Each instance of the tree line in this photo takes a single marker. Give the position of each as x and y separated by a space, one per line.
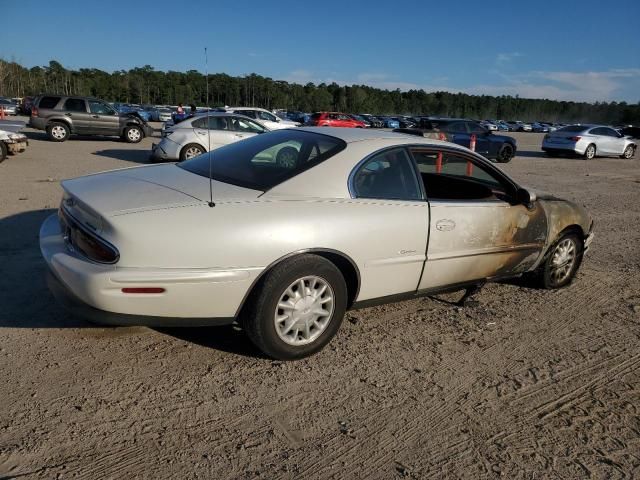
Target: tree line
145 85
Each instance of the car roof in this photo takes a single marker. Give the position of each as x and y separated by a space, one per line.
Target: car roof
350 135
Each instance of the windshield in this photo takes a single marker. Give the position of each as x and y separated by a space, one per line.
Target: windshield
266 160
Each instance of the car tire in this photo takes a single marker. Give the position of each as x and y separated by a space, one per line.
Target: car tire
561 262
287 157
505 154
298 330
190 150
628 153
3 152
590 152
133 134
58 132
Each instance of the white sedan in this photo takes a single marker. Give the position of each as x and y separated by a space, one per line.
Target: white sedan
268 119
284 231
198 134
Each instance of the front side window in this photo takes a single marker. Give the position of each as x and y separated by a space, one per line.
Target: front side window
264 161
387 175
214 123
245 125
266 116
75 105
100 108
451 176
457 127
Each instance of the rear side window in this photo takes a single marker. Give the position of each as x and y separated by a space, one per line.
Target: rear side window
48 102
75 105
387 175
215 123
264 161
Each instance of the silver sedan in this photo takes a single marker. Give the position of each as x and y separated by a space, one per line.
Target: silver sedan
589 141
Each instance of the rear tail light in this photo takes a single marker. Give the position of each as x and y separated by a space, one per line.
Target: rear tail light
574 139
34 112
85 242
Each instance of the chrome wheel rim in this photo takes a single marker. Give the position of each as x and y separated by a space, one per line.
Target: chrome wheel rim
304 310
628 153
58 132
133 134
591 152
563 260
192 152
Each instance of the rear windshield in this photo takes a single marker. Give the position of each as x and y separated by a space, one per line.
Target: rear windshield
572 128
266 160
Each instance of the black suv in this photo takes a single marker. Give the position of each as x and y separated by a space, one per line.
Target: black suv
61 116
457 130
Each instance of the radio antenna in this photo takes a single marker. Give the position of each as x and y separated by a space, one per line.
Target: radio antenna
206 65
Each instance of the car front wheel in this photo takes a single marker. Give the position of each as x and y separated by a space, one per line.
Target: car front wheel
628 152
297 307
562 262
133 134
505 154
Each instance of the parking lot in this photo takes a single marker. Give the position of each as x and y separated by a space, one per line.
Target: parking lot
526 383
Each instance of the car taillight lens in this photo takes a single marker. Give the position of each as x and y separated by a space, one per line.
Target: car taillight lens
85 242
34 112
574 139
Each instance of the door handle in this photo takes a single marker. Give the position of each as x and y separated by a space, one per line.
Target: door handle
68 115
445 225
95 116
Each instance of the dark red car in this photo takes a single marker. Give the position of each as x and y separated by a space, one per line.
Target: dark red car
334 119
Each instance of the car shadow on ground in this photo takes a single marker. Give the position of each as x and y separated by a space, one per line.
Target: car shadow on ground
531 154
134 156
25 300
229 339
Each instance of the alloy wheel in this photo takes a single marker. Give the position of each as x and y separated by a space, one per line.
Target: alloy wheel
563 260
304 310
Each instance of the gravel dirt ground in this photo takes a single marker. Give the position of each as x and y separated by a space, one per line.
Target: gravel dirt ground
526 384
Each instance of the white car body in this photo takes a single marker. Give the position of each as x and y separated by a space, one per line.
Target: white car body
577 139
190 137
268 119
199 262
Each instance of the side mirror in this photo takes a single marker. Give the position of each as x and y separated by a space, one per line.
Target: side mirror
525 197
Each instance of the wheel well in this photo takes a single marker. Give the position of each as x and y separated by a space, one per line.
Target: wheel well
572 228
344 264
60 120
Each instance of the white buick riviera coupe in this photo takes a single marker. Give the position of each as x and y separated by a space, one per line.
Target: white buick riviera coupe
286 230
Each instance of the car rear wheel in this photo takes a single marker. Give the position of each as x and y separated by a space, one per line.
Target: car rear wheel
590 152
133 134
297 308
505 154
562 262
58 132
191 150
628 152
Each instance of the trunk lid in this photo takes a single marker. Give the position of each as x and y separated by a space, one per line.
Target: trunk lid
136 189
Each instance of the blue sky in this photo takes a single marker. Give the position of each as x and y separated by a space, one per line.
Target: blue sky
568 50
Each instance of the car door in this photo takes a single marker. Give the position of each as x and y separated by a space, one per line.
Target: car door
76 110
459 133
385 189
477 229
616 141
218 129
105 119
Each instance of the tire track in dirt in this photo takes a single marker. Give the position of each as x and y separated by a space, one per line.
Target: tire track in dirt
565 308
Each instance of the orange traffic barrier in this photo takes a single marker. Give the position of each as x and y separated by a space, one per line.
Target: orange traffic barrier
439 163
472 147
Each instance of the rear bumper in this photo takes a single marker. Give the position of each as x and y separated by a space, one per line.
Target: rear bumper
191 297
